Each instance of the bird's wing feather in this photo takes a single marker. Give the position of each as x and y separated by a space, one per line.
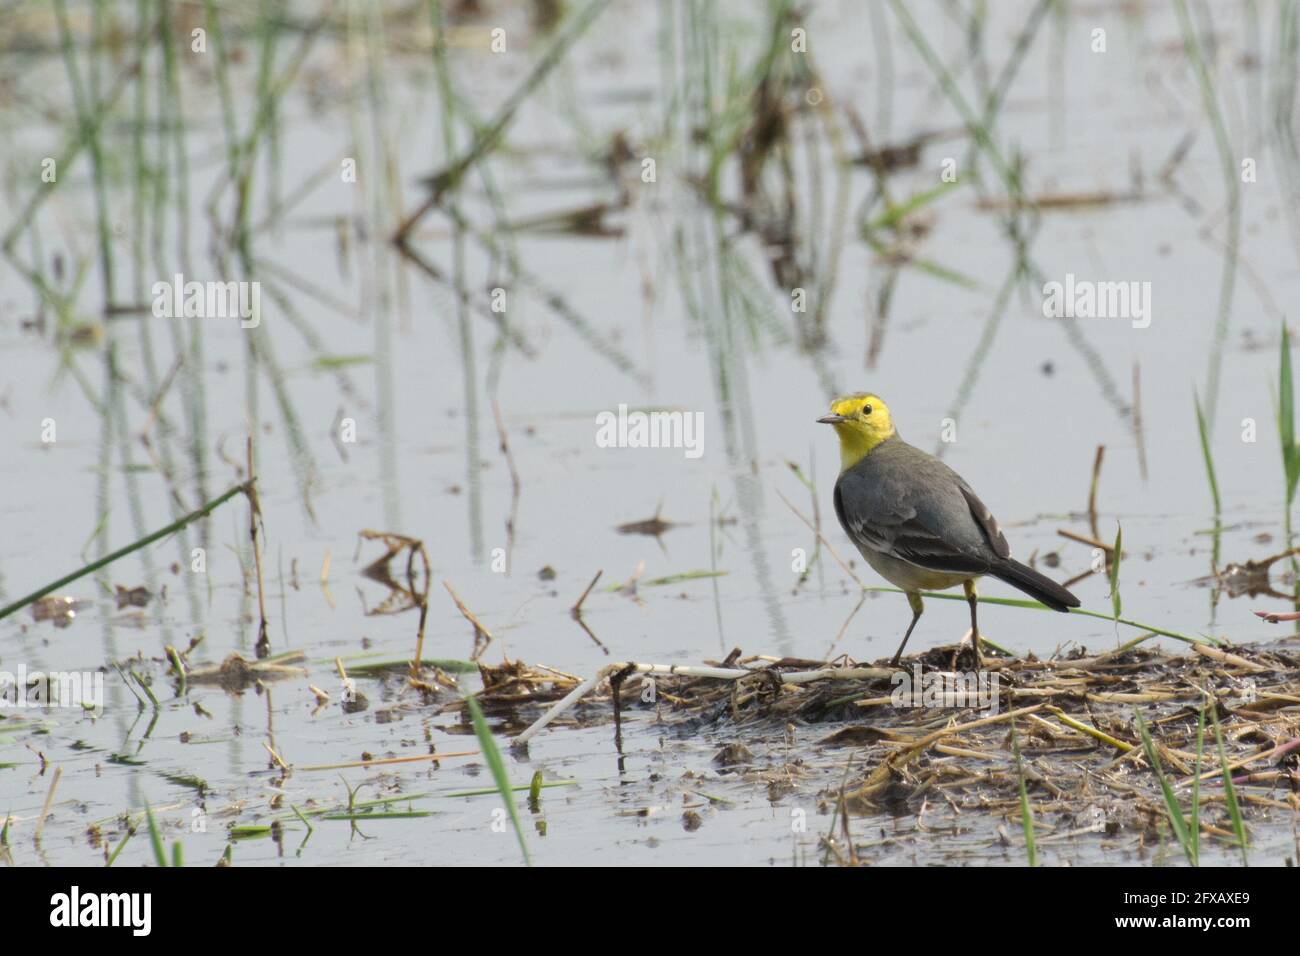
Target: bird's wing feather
904 503
988 524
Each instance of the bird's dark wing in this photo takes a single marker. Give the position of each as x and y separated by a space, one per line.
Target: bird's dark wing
909 505
988 523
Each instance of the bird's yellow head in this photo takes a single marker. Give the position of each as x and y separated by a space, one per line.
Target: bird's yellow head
862 421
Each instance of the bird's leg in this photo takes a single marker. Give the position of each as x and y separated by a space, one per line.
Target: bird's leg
914 600
971 598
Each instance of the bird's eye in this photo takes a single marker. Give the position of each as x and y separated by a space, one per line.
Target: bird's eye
866 409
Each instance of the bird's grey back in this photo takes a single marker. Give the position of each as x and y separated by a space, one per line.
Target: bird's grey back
898 491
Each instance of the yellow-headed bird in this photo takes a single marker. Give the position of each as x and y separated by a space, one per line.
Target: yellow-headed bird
915 520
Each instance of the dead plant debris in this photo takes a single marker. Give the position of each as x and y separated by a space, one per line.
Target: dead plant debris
884 747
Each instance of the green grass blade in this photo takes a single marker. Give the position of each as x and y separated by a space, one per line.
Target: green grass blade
307 823
1114 572
130 832
140 682
1038 606
517 788
1196 784
155 838
1229 789
679 578
1026 814
1172 809
928 266
1206 454
174 656
249 831
122 552
498 768
895 214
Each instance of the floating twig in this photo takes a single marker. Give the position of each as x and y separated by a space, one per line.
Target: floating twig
263 646
576 613
1092 490
45 807
482 636
576 610
1091 542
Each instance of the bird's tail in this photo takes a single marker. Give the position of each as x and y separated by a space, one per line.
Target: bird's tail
1035 585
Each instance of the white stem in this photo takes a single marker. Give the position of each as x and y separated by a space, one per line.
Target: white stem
569 699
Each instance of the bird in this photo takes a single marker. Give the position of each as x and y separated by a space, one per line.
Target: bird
916 521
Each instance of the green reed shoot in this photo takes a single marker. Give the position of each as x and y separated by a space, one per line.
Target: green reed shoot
498 768
1177 822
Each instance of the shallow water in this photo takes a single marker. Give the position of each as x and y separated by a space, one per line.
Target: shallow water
386 347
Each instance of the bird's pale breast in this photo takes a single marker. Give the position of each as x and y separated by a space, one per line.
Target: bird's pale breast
908 576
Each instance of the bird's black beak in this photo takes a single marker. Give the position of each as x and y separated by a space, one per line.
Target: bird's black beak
832 420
